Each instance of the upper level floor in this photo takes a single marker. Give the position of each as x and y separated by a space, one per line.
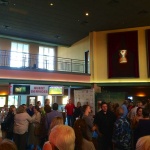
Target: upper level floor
38 62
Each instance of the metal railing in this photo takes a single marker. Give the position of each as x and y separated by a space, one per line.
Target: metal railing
12 59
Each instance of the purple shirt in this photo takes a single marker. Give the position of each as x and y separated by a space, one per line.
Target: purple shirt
50 116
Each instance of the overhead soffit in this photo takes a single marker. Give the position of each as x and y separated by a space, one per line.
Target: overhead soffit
65 22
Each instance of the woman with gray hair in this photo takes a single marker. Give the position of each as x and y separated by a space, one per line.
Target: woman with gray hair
122 132
62 137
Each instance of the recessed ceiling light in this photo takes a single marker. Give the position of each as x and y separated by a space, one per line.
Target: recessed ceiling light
51 4
87 14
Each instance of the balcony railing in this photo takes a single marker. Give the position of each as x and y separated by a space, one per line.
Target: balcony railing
12 59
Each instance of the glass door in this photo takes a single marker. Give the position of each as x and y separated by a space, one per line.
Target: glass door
13 100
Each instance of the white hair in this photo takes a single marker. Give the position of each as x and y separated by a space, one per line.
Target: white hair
62 137
143 143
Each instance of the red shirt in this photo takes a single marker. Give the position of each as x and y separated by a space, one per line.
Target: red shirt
69 108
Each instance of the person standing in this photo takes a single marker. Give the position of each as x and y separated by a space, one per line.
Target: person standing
9 123
21 123
143 126
89 120
47 107
69 110
30 110
122 132
77 112
33 138
125 108
50 116
104 121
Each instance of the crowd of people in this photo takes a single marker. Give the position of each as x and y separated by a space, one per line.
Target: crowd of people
113 127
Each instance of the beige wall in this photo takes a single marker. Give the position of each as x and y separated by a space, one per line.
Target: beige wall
76 51
5 44
99 56
96 43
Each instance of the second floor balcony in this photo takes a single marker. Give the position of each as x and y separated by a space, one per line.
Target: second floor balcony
28 61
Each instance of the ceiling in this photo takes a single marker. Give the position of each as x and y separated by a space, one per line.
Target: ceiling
63 22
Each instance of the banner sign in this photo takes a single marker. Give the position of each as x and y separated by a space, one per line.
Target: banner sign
38 90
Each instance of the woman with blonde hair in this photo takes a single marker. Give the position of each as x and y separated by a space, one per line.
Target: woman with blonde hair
21 123
34 130
56 121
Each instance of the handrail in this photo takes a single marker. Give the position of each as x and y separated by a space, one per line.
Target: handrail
21 60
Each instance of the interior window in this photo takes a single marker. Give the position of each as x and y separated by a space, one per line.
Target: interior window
46 58
19 56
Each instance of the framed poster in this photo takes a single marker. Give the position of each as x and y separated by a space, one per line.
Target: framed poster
85 97
122 55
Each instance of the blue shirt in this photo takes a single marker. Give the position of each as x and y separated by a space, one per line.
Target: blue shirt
122 134
125 110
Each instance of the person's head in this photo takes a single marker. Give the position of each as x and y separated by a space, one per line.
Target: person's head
55 106
36 109
62 137
7 144
145 113
47 101
30 106
69 101
139 104
104 106
56 121
47 108
25 106
20 109
119 112
78 104
12 108
38 103
139 111
86 109
143 143
126 102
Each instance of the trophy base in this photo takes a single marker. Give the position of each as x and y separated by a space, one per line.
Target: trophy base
122 60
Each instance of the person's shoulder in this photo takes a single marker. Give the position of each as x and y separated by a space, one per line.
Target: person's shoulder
49 114
87 145
66 105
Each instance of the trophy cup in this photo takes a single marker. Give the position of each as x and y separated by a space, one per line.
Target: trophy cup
123 58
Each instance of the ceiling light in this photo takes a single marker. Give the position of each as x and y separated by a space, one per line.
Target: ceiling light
87 14
51 4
